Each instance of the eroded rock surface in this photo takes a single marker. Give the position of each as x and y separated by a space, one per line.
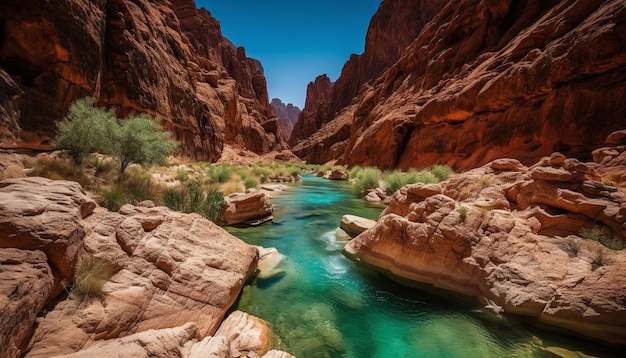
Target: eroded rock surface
520 239
167 59
479 80
247 209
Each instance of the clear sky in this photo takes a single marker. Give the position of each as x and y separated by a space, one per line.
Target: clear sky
295 40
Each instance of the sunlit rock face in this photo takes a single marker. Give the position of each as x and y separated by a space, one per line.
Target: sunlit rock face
480 80
168 59
539 241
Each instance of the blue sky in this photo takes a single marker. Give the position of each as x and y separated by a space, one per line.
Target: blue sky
295 40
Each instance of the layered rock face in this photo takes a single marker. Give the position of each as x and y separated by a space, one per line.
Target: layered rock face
173 277
484 80
522 240
166 59
288 115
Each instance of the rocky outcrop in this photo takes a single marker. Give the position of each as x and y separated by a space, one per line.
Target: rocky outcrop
165 59
79 280
252 208
288 115
484 80
536 241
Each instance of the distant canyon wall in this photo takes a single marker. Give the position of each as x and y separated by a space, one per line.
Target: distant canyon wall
287 115
168 59
471 81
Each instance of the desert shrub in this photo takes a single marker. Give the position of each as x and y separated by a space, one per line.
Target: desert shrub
423 176
91 275
355 171
59 169
220 174
369 178
441 172
250 183
86 129
233 186
139 139
294 171
213 204
395 180
596 234
191 198
462 213
112 198
181 175
130 188
142 140
260 171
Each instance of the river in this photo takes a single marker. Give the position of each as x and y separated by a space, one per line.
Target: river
326 306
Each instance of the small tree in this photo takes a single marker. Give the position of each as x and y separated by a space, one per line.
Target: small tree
142 140
139 139
86 129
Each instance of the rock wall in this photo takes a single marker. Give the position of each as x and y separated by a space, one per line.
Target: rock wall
166 59
484 80
541 241
288 115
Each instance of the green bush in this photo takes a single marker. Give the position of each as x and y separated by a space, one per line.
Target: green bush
190 198
86 129
462 213
142 140
112 198
423 176
394 181
250 183
355 172
596 234
220 174
139 139
441 172
369 178
60 169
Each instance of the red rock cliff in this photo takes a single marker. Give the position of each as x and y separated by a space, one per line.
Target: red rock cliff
164 58
287 114
485 80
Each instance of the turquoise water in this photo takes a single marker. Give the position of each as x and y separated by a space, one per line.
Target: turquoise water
326 306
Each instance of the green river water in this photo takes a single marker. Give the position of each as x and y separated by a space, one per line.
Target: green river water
326 306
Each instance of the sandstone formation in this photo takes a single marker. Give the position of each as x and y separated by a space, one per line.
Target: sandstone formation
480 80
168 59
79 280
522 240
287 114
252 208
354 225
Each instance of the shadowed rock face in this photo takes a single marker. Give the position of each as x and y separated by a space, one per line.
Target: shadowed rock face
484 80
166 59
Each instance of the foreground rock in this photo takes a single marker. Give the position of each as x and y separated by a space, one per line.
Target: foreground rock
252 209
41 235
145 281
512 236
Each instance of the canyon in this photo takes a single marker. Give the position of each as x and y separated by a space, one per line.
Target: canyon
470 82
166 59
287 114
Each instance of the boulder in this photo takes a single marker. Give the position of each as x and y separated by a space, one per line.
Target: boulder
338 174
252 208
537 243
26 285
173 268
354 225
269 262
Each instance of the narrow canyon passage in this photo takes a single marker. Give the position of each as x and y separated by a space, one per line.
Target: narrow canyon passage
323 305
